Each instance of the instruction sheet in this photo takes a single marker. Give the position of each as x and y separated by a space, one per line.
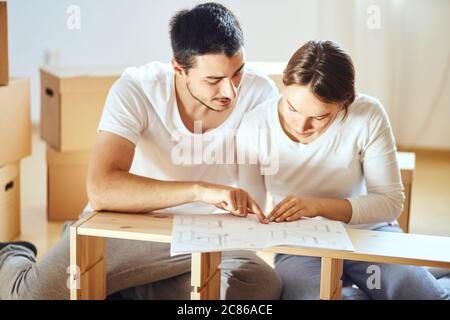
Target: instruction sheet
224 232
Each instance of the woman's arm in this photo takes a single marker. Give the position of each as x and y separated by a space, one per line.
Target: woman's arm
293 208
385 197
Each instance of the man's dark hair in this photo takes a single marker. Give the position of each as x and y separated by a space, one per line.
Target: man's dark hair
208 28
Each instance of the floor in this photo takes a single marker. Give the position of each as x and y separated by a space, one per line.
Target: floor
33 180
430 207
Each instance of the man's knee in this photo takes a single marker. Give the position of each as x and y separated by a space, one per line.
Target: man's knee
20 289
246 276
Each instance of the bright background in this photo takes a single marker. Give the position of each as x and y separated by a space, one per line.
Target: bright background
404 62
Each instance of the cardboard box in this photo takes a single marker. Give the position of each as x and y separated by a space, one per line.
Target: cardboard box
66 184
15 121
71 105
9 202
4 67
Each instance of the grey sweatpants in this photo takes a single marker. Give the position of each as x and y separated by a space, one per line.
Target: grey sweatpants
137 268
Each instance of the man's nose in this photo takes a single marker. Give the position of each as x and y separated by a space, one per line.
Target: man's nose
228 89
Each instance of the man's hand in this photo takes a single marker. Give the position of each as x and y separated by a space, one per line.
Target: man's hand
292 208
237 201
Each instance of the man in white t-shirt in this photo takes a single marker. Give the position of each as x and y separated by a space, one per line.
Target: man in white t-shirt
143 161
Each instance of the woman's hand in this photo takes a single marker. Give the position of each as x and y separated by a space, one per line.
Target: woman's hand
293 208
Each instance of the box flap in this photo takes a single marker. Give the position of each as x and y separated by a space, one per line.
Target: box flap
73 79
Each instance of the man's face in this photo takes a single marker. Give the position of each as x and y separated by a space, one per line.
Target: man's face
215 79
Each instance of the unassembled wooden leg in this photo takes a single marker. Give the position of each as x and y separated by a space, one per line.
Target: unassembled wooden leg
330 279
205 276
87 267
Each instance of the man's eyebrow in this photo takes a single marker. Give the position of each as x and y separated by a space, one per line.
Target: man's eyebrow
290 105
219 78
240 68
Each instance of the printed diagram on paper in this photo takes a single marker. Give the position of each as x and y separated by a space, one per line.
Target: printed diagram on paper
222 232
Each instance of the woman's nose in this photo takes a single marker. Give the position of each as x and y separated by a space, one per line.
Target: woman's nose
303 125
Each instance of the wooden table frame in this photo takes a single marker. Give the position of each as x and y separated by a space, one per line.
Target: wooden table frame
88 263
87 248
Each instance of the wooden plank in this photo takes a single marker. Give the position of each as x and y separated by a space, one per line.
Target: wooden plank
330 279
87 264
209 292
213 286
370 246
88 269
205 276
87 246
385 247
154 226
93 282
406 160
404 218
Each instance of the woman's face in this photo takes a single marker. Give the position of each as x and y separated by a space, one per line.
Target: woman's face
302 115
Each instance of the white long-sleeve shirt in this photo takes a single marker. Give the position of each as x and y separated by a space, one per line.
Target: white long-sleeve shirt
354 159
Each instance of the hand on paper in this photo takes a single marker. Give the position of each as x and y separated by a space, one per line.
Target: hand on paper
292 208
237 201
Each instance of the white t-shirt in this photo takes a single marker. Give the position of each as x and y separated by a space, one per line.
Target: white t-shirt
141 107
354 159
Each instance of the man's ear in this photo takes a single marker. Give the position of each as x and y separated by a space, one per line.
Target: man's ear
177 67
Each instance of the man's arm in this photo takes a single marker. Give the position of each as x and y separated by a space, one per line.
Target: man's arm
112 187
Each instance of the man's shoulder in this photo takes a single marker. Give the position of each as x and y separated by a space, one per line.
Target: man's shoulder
154 71
152 81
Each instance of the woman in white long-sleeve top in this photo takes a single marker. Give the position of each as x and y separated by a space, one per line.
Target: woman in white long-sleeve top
322 151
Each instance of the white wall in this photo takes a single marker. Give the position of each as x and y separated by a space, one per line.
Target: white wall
402 63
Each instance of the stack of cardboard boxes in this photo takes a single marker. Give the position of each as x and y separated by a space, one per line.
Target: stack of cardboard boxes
72 102
15 136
